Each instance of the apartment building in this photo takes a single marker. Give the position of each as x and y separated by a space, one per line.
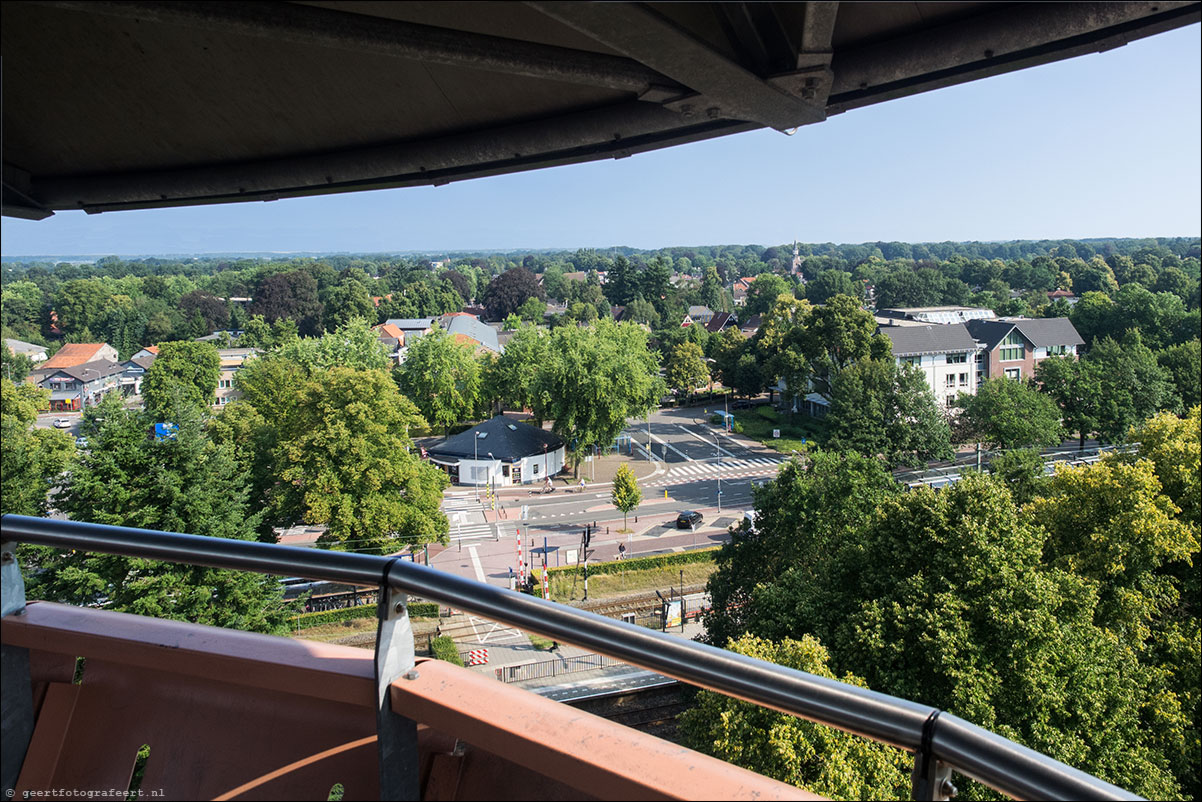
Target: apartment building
945 354
1012 347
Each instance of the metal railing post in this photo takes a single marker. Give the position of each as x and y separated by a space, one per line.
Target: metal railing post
17 727
396 734
930 779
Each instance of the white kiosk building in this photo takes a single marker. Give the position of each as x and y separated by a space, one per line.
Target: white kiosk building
500 452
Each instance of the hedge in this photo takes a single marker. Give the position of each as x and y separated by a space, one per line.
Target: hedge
306 620
444 648
643 563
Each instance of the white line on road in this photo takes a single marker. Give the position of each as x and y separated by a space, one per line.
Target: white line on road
476 563
687 430
674 448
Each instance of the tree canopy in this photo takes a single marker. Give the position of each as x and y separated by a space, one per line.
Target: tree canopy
1010 414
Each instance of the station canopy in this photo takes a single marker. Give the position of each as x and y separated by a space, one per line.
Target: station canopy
126 105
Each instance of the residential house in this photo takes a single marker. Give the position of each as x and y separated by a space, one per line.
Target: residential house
616 312
392 338
720 321
36 353
1066 295
1012 347
74 387
135 369
468 329
751 325
413 328
232 360
73 354
945 354
701 314
740 290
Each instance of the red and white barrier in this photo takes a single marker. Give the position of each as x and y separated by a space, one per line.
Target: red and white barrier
476 657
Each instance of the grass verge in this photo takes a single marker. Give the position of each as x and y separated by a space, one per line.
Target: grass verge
759 422
601 586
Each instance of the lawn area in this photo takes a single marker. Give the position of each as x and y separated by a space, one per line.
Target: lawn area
758 423
620 584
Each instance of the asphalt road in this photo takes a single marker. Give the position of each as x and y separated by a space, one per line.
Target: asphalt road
692 458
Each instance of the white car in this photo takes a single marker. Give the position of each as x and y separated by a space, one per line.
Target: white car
62 423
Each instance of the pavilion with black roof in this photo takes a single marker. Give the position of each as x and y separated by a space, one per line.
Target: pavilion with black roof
498 452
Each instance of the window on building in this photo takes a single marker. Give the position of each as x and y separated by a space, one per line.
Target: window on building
951 400
963 379
951 380
957 359
535 471
910 360
1014 373
1012 347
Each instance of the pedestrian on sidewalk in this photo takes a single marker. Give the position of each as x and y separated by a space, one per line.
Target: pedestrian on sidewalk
621 550
581 484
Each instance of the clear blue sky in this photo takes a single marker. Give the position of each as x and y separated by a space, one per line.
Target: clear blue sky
1105 145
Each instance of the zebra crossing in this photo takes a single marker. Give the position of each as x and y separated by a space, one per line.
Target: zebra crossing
724 466
466 517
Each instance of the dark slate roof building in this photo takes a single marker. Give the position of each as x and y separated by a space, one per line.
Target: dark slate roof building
934 339
506 439
1040 332
719 321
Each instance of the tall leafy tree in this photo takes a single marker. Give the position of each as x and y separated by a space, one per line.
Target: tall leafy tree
182 370
1008 414
1133 385
881 408
1183 366
186 484
829 284
764 291
622 286
1016 647
512 377
1076 387
344 460
685 368
214 312
442 377
31 459
812 756
289 295
593 380
15 367
347 300
507 292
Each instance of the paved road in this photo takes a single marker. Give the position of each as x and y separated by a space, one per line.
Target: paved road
699 458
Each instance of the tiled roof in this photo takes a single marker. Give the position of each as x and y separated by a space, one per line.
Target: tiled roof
506 439
934 339
1040 332
719 321
73 354
390 330
88 371
472 328
697 311
753 322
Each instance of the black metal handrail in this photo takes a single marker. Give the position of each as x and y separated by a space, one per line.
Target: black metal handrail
975 752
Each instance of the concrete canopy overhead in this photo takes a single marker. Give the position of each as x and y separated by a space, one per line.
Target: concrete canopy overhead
127 105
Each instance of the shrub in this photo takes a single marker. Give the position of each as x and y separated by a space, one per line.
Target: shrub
642 563
306 620
443 648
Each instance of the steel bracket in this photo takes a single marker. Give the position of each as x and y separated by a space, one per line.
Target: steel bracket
396 734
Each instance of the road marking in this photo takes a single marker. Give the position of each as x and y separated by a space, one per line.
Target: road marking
476 564
687 430
674 448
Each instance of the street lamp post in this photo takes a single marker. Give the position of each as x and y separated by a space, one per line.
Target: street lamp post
476 458
718 454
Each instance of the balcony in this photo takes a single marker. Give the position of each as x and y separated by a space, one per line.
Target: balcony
235 715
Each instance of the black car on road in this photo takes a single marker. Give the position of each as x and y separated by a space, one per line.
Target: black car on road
688 519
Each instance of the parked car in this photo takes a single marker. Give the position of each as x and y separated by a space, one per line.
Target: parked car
81 442
62 423
688 519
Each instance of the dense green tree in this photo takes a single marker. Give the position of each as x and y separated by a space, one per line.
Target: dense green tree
1133 385
641 311
1093 316
183 369
187 484
654 283
710 293
291 295
1004 413
442 377
622 284
820 759
1076 387
31 459
511 378
214 311
533 310
685 369
763 292
1183 366
594 379
838 334
344 460
14 367
830 283
881 408
79 303
347 300
351 345
1022 470
507 292
462 284
1011 642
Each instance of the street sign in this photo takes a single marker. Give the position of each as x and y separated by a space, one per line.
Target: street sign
571 555
525 511
776 432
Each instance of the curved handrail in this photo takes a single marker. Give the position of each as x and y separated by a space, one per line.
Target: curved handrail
975 752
